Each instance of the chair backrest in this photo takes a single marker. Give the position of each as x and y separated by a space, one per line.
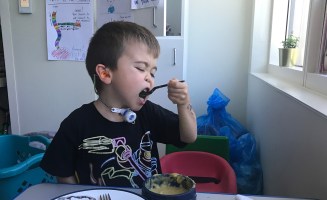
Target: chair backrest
217 145
211 173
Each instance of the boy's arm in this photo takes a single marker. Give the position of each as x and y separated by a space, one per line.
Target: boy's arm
178 94
187 123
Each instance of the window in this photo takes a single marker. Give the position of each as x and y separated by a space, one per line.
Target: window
306 19
322 62
290 17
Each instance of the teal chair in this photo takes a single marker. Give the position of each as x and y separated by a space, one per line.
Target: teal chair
19 166
217 145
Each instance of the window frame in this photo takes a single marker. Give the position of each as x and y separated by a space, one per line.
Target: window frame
309 77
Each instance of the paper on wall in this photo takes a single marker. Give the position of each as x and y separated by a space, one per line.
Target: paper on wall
138 4
70 26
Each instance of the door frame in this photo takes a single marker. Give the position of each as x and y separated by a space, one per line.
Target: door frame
9 65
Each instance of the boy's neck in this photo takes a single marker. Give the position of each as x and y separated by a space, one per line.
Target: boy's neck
105 111
108 107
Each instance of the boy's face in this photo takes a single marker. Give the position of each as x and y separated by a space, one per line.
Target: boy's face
135 72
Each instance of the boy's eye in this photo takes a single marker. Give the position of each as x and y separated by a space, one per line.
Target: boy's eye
153 71
140 69
143 69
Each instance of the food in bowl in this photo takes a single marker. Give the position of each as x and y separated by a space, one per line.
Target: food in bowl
169 186
167 189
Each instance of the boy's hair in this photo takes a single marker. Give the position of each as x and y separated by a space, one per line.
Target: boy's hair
109 42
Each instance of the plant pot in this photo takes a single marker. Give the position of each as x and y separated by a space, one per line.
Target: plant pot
287 57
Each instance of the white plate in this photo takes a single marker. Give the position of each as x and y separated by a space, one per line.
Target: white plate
94 194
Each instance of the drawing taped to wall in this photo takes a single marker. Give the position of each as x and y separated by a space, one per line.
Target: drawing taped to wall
69 29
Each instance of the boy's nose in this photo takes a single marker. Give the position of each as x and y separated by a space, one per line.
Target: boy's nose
148 77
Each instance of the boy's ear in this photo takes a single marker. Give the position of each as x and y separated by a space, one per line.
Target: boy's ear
104 73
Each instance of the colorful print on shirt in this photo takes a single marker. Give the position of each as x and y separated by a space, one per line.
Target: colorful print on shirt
121 161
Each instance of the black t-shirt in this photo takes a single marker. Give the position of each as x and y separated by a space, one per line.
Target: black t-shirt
102 152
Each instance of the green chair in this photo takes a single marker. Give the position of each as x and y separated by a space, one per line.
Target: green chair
218 145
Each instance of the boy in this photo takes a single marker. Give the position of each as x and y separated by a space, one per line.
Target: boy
113 140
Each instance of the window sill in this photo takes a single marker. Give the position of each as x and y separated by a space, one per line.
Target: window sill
310 98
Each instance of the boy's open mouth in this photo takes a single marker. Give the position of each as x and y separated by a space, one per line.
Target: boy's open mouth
144 93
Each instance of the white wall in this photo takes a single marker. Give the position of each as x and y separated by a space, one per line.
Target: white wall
218 52
292 141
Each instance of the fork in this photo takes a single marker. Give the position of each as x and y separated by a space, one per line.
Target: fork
105 197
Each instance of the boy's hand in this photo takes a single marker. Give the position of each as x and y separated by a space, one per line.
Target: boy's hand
178 92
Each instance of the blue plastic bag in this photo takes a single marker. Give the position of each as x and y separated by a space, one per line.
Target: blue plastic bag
218 117
244 158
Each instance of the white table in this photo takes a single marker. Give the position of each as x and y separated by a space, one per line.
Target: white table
46 191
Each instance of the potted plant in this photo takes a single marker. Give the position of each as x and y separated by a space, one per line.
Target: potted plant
288 54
